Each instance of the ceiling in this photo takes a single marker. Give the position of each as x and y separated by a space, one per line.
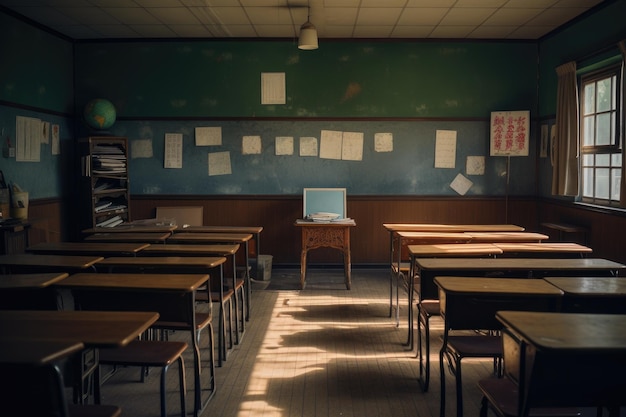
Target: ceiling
336 19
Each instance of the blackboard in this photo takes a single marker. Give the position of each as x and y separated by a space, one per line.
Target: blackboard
220 79
408 169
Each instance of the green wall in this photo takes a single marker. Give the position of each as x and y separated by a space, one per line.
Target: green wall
579 42
36 80
220 79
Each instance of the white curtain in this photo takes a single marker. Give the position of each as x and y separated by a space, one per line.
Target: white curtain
622 198
564 152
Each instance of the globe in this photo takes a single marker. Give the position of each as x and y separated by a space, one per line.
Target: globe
99 114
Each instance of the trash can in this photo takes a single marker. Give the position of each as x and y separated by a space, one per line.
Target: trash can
264 267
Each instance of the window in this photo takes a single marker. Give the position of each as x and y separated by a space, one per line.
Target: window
601 153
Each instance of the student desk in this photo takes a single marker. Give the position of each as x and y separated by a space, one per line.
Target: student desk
471 303
442 250
547 249
605 295
226 250
429 268
175 264
29 262
34 380
579 359
326 234
95 329
130 228
401 255
29 291
210 238
129 237
171 295
495 237
87 248
254 230
394 239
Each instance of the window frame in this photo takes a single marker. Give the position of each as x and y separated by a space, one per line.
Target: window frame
614 147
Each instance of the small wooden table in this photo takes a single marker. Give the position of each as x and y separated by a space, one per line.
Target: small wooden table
605 295
546 350
128 237
333 235
87 248
48 263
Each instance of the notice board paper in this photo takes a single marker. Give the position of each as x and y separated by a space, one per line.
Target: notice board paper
445 149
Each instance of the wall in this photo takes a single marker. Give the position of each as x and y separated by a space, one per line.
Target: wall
37 81
408 89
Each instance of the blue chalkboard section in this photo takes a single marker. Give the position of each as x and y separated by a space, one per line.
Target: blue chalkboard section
408 169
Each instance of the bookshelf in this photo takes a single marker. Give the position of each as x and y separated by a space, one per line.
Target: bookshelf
105 181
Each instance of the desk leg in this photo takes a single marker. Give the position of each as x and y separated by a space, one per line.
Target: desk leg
303 268
247 283
347 267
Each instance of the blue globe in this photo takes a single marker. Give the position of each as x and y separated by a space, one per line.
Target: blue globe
99 114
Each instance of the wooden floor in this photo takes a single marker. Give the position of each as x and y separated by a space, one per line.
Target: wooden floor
322 351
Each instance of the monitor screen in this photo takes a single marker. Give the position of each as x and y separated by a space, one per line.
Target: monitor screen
324 200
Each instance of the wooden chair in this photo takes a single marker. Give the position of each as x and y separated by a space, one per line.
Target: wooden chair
148 353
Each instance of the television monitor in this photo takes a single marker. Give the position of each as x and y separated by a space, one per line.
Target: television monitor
324 200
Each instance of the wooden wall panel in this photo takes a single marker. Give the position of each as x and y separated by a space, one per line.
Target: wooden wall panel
369 240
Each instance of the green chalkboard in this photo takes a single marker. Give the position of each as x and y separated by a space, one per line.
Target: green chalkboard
221 79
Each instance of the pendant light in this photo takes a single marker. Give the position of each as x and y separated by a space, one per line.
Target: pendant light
308 34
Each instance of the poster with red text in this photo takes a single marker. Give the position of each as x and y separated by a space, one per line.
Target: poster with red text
509 133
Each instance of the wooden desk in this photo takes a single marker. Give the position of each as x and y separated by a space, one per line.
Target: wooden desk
171 295
394 239
87 248
255 231
29 291
29 262
549 249
469 303
34 380
332 235
129 237
606 295
495 237
93 328
210 238
129 228
226 250
580 359
445 250
175 264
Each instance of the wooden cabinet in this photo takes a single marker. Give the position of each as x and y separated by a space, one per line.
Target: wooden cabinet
105 181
